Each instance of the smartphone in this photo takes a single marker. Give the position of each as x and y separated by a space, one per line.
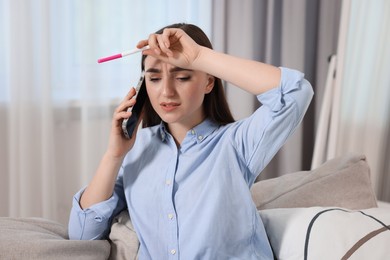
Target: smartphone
129 124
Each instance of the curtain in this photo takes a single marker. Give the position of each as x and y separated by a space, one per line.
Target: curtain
56 101
299 34
360 119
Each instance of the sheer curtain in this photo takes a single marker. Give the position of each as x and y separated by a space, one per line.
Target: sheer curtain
56 102
360 118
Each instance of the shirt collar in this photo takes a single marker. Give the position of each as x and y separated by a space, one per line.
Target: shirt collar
203 130
163 131
199 132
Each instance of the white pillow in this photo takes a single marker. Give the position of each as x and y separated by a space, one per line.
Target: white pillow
328 233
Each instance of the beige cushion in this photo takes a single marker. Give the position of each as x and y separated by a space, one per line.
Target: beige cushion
340 182
36 238
123 239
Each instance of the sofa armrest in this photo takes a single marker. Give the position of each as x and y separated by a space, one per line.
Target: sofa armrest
37 238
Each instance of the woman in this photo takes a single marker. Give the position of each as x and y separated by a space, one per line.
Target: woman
185 177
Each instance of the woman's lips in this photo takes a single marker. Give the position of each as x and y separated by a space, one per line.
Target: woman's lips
169 106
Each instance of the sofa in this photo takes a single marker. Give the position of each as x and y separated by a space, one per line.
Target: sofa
327 213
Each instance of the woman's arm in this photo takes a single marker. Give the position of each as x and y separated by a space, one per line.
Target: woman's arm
103 197
174 46
259 137
252 76
94 222
102 184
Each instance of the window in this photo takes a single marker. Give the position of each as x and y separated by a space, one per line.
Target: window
80 32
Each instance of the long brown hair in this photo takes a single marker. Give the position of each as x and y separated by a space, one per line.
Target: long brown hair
215 105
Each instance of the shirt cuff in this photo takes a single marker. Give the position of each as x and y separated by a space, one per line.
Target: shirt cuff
290 81
103 210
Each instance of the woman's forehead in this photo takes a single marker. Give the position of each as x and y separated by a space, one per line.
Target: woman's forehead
154 62
155 65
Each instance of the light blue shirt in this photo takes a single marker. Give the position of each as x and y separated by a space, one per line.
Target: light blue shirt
194 202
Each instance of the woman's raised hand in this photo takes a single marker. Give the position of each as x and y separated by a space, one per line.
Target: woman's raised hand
173 46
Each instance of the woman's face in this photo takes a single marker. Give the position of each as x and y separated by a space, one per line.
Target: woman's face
176 94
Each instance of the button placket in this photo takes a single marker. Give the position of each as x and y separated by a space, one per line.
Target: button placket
169 208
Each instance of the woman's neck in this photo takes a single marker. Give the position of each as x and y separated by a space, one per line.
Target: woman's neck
179 130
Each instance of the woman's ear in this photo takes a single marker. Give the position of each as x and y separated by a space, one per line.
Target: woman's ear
210 84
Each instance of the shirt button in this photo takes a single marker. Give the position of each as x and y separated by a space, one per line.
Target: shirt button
200 138
173 251
98 219
170 216
193 132
168 182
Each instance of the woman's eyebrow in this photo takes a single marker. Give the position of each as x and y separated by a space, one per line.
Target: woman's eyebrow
172 70
153 70
178 69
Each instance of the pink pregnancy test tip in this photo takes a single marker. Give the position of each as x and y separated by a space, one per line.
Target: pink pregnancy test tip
113 57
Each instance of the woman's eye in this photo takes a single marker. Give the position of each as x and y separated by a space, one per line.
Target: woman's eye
183 78
154 79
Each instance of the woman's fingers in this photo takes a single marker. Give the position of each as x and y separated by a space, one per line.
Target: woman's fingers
131 93
173 46
153 44
159 43
142 44
127 102
166 37
118 117
164 42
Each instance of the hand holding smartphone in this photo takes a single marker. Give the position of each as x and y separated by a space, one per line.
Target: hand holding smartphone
129 124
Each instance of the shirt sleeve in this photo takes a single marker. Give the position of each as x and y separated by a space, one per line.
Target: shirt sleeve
258 138
94 222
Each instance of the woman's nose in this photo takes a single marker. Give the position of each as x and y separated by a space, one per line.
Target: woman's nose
168 88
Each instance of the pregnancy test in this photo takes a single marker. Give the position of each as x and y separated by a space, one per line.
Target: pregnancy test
123 54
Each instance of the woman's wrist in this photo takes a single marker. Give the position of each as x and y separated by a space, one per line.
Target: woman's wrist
200 62
113 157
